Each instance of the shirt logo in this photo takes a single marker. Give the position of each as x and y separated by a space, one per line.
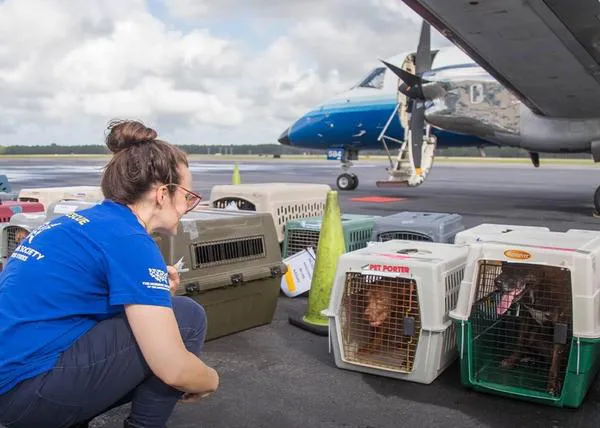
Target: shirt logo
159 275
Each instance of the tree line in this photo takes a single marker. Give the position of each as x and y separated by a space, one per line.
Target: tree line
270 150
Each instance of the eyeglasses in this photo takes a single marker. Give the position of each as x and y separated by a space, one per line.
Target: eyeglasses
192 199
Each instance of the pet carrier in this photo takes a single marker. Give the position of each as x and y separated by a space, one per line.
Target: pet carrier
488 231
418 226
47 195
62 207
23 207
6 213
284 201
389 306
17 229
527 316
584 232
303 233
233 266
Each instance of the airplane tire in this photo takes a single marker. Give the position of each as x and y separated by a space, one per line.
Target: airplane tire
597 199
346 182
355 178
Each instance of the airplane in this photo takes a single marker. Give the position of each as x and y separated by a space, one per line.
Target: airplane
370 116
519 74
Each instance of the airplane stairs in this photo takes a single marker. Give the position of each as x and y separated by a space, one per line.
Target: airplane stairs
402 172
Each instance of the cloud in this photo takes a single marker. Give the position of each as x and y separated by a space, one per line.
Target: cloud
221 72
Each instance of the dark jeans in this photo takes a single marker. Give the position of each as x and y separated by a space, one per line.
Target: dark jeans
103 369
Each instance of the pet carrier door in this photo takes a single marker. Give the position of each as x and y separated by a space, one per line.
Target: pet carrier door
382 321
522 326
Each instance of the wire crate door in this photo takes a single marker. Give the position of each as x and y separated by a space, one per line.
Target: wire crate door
521 326
380 321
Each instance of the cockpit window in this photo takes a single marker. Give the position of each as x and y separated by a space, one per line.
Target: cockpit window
374 79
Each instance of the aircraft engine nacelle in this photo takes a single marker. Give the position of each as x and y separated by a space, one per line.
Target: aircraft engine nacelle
479 107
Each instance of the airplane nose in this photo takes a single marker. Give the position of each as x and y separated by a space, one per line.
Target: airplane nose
284 138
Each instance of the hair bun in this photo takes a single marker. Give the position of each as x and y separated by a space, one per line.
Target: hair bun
126 133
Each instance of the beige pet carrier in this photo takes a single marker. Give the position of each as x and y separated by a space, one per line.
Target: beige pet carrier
284 201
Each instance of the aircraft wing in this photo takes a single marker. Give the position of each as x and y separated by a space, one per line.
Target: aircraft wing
546 52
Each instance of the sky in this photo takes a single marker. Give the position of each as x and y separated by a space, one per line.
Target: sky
197 71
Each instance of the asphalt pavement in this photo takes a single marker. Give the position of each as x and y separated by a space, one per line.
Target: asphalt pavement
281 376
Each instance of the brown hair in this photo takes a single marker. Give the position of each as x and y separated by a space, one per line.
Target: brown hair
139 161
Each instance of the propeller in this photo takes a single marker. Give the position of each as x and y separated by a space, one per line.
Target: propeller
418 90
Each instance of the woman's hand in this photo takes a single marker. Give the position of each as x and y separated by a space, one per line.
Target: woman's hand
173 279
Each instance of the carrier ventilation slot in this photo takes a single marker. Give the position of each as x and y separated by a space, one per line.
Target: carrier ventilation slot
241 204
406 236
230 251
522 325
452 288
381 321
299 240
14 236
289 212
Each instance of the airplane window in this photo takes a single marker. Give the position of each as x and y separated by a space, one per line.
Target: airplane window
374 79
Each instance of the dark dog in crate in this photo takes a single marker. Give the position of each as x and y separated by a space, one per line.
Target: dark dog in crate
541 298
382 312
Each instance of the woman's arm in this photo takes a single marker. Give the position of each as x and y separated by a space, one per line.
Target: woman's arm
157 334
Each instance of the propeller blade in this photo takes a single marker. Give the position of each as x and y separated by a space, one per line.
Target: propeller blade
407 77
423 56
417 126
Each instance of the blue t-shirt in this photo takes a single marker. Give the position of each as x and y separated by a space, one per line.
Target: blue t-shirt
68 275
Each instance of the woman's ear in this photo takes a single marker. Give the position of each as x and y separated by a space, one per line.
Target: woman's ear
160 195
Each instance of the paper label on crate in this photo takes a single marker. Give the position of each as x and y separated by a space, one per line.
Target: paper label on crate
300 267
517 254
64 208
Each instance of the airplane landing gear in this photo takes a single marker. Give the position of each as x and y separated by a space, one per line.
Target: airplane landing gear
347 180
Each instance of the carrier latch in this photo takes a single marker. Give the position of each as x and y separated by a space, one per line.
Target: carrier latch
236 279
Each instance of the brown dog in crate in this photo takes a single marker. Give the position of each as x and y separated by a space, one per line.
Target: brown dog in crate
540 297
389 311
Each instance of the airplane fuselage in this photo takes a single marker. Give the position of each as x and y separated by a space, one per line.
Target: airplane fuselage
476 110
357 124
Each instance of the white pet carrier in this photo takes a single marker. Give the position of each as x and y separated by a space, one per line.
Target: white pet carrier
487 231
2 245
527 299
284 201
583 232
17 229
389 309
48 195
63 207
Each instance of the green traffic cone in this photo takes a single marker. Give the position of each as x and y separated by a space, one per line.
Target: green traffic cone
235 179
331 246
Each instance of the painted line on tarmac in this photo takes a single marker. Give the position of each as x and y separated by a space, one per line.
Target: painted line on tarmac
376 199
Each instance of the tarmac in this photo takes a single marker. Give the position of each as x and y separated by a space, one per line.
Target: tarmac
281 376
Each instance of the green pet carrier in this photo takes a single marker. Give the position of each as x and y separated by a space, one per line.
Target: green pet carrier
527 316
304 233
